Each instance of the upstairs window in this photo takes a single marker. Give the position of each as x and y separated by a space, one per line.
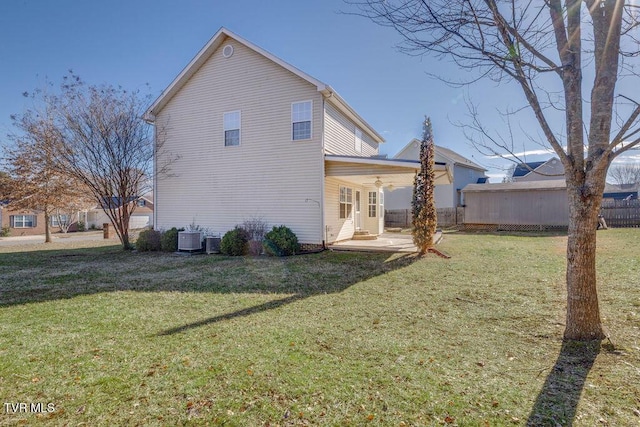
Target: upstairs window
358 135
301 113
231 128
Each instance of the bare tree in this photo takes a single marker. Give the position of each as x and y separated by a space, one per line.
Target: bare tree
37 182
108 147
625 174
542 46
508 177
5 186
423 204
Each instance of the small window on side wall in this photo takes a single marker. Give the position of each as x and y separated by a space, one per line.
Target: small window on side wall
231 128
301 113
358 143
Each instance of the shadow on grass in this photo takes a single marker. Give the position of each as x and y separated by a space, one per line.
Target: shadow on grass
41 276
270 305
557 402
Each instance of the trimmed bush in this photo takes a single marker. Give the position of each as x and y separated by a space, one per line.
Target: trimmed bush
149 240
281 241
169 240
235 242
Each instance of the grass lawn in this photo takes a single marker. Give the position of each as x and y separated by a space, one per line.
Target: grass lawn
114 338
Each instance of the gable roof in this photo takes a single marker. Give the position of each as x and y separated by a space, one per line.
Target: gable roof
215 42
523 169
447 153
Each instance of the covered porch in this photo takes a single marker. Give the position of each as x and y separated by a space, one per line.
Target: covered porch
354 197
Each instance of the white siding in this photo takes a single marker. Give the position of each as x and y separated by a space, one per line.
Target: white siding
268 175
342 229
340 135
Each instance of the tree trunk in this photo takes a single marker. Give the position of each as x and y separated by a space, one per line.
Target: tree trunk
47 229
583 313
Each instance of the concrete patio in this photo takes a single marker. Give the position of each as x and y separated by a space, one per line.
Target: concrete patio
386 242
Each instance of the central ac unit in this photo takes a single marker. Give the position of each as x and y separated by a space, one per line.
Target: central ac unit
189 240
212 244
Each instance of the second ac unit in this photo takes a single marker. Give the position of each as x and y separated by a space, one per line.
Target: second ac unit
189 240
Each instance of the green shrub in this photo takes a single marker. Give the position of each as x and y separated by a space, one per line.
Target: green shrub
81 226
281 241
235 242
5 231
149 240
169 240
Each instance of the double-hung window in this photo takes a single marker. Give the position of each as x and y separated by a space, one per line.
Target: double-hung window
231 128
301 113
358 144
346 202
23 221
63 219
373 204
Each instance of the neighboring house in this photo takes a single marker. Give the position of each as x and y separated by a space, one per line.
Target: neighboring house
247 135
517 205
463 172
550 170
21 222
142 216
28 222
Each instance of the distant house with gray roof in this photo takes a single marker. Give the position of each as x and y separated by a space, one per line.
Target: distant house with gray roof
548 170
463 172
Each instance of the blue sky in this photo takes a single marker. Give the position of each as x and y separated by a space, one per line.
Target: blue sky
133 43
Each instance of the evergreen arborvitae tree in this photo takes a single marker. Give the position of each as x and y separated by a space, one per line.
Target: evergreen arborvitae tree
423 205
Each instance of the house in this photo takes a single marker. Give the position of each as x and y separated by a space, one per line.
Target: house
28 222
247 135
21 222
141 217
463 172
551 170
528 205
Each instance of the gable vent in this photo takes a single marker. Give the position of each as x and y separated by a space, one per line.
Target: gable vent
227 51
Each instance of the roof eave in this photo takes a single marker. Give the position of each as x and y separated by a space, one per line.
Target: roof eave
204 54
334 98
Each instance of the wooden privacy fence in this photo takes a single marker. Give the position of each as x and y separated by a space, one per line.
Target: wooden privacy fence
447 217
621 213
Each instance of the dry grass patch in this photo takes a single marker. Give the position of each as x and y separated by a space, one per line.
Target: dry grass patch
115 338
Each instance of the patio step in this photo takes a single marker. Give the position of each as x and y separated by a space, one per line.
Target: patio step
363 235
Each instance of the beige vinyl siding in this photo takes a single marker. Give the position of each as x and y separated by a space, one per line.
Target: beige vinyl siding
343 228
267 176
337 228
340 135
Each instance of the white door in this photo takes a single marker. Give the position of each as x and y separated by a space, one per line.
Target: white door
357 218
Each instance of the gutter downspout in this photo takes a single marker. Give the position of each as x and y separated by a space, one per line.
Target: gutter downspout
323 176
150 118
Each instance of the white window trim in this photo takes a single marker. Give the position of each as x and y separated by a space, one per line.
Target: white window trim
348 204
373 205
358 140
54 220
33 221
310 101
224 129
